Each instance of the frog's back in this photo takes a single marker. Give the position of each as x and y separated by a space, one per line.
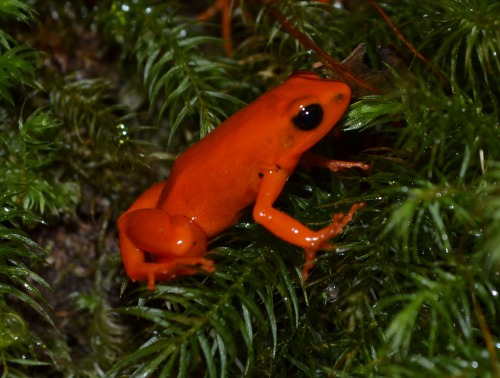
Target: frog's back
218 177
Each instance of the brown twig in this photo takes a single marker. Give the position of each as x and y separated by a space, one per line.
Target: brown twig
308 43
405 41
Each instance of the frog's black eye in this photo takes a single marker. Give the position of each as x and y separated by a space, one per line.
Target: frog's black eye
308 117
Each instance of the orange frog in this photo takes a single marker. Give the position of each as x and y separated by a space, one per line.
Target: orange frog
246 160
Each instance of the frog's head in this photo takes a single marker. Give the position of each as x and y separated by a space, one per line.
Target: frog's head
308 108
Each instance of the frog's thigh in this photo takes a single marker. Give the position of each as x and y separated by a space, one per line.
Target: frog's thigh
164 236
156 246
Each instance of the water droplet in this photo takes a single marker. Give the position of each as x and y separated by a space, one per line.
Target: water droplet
122 136
338 5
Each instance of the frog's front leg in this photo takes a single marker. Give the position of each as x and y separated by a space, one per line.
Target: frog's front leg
310 159
288 228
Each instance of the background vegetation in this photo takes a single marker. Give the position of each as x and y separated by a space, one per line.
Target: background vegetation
98 97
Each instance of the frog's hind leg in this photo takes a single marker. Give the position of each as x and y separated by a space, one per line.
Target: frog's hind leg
156 246
224 7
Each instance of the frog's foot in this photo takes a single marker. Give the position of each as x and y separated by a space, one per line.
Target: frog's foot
153 272
340 220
